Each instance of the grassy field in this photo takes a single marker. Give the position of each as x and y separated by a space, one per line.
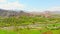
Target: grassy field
32 31
29 25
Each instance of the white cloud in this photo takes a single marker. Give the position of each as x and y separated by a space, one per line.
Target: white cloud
54 8
3 1
11 5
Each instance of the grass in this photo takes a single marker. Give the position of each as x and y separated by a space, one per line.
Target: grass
7 32
25 20
56 31
28 31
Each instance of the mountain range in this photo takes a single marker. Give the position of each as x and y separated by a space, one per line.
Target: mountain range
9 13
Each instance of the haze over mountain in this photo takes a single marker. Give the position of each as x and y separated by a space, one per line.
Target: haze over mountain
9 13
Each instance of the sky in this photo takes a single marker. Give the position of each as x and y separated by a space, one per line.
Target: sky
30 5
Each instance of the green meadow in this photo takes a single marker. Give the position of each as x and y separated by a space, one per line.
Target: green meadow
30 25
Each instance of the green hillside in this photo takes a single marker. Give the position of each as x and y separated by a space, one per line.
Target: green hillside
30 25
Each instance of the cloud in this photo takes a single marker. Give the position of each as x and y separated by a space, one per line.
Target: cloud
57 8
3 1
11 5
